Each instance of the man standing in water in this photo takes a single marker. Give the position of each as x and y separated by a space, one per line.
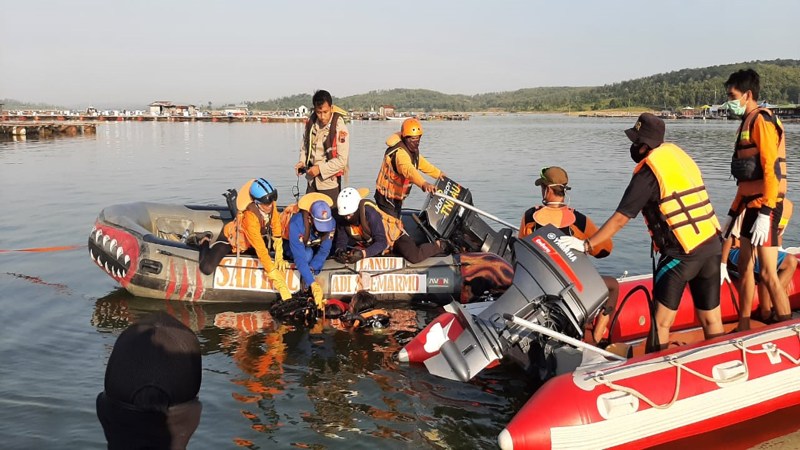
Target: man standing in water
667 187
759 166
325 148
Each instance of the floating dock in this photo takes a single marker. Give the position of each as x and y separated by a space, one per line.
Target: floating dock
46 128
147 118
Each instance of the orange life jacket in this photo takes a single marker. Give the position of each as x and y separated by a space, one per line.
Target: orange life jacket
788 208
393 226
390 183
684 204
746 161
286 218
562 218
330 141
240 242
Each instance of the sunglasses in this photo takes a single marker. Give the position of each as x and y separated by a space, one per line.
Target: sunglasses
269 198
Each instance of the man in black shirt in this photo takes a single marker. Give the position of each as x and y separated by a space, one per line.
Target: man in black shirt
668 189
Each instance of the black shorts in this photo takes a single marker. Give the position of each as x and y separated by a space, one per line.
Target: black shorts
702 274
750 216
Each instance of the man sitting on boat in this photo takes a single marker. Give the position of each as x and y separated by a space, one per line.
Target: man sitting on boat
402 164
787 263
308 229
374 232
256 226
555 211
667 187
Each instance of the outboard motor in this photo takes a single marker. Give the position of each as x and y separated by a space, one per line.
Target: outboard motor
553 287
460 225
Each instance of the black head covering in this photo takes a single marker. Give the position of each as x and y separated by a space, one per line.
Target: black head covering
151 385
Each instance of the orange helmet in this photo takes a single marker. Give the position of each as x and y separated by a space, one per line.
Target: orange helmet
411 127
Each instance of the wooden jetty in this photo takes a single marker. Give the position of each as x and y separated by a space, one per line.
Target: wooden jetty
46 128
37 117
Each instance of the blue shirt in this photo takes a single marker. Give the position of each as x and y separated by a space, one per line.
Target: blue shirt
307 258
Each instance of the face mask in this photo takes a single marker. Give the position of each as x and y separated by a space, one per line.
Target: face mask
735 106
412 144
635 155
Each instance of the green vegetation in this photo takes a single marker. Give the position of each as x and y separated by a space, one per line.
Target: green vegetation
780 84
9 104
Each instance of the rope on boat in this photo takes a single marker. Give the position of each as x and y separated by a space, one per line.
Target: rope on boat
59 248
680 367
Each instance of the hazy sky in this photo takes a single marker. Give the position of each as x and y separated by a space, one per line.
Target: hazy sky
81 52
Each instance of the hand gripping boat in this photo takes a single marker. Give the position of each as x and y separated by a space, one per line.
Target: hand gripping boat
143 247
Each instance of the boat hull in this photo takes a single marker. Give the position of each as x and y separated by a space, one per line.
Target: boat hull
139 246
714 383
632 323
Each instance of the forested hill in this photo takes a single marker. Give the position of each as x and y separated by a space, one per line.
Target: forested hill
780 84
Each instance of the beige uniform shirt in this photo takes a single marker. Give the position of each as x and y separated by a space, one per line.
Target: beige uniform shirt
327 169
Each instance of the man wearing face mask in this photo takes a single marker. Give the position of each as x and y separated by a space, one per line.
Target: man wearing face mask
667 187
759 166
402 164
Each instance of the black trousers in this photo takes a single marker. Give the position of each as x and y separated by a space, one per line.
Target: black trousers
332 193
210 256
389 206
413 253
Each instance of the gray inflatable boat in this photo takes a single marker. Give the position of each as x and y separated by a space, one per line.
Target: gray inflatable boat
143 246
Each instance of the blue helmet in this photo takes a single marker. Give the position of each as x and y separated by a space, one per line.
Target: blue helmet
262 191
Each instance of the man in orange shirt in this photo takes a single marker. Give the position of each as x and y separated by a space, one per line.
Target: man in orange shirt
253 227
554 211
402 164
759 166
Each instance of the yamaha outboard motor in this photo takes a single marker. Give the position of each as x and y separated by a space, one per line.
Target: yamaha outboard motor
553 287
460 225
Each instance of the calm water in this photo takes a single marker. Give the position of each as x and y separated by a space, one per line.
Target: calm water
281 386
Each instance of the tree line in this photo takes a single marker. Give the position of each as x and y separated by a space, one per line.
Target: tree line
780 84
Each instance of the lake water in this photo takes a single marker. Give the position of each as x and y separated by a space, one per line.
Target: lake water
282 386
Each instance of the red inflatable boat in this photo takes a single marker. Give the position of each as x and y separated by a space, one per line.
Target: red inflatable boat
633 316
598 399
663 396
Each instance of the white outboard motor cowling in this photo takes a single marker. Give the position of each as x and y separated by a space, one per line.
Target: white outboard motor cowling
553 287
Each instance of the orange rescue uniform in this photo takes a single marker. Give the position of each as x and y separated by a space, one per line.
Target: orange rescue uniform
761 140
566 219
400 169
254 227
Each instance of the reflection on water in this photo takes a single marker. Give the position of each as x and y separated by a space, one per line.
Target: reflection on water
267 383
337 384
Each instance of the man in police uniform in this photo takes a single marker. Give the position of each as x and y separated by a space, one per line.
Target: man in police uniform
325 148
667 187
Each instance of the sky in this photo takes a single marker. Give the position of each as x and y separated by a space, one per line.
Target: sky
86 52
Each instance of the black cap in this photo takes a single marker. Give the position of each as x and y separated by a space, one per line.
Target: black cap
649 130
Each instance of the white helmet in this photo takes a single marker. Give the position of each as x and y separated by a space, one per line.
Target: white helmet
348 201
